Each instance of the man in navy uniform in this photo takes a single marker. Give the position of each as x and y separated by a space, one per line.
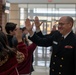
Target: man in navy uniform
63 60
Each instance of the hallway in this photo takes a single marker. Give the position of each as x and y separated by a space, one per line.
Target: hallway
41 70
42 56
41 60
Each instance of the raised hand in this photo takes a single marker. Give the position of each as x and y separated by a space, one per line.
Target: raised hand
37 23
29 26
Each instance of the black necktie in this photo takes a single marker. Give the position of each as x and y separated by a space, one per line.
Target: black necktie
61 40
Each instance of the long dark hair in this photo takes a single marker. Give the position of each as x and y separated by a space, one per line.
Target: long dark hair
4 48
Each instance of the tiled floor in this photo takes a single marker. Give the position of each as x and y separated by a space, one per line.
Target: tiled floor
42 56
41 60
40 71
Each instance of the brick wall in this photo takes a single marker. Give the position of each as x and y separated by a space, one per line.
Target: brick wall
1 12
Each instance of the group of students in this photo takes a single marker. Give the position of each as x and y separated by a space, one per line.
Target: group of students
15 55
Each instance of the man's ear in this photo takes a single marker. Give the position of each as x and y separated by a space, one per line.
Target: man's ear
70 24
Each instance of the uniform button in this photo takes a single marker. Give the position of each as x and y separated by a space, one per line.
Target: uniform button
52 69
53 62
54 55
62 58
60 65
59 72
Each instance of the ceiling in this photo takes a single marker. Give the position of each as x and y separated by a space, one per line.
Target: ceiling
41 1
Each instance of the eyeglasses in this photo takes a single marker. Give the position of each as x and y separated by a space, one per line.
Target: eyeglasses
61 24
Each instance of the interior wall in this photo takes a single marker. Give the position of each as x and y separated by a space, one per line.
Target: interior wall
14 14
2 14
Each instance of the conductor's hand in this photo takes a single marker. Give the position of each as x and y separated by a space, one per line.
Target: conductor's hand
37 23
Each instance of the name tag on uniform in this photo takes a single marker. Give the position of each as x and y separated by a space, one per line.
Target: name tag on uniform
54 42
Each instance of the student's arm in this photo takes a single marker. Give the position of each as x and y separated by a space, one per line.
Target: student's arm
31 48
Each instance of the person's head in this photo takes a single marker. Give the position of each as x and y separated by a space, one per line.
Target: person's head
24 30
65 24
10 28
4 48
